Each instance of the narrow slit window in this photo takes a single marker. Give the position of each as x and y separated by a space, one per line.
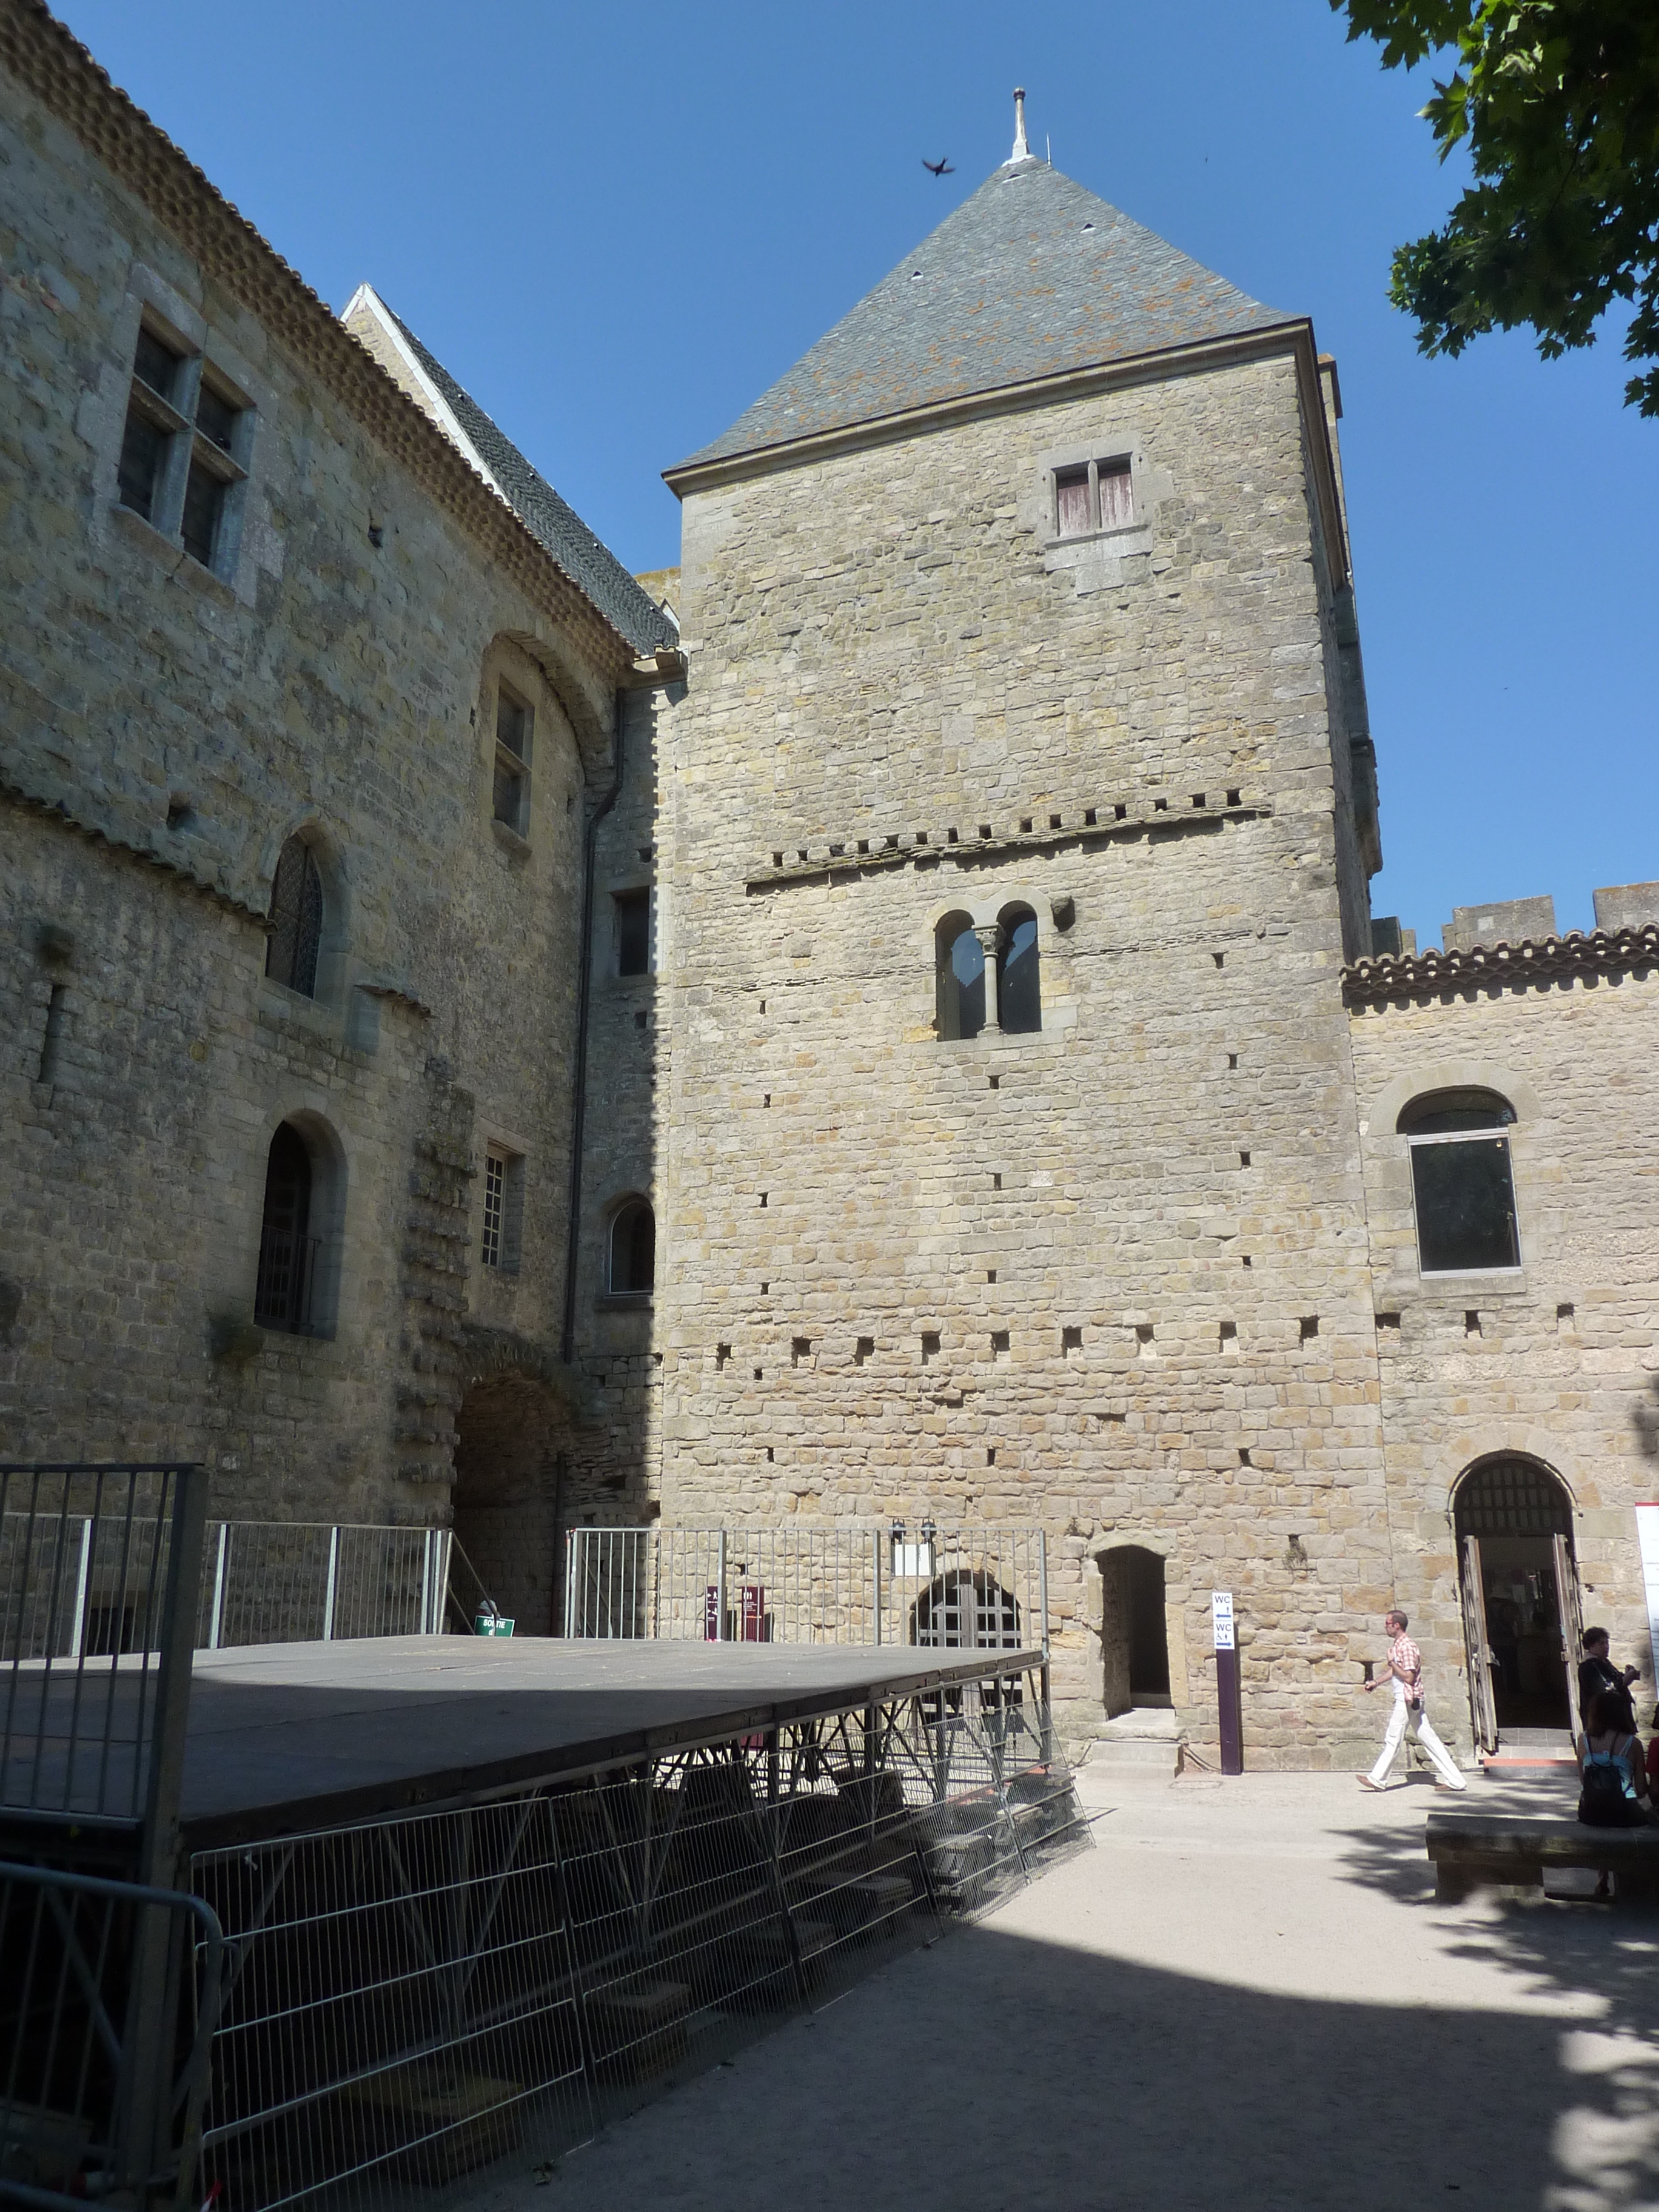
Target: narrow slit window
632 1264
510 791
633 933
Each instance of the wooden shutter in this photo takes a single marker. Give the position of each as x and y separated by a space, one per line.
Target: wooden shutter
1117 508
1483 1713
1072 503
1572 1624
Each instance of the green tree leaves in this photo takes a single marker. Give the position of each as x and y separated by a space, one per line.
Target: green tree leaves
1558 103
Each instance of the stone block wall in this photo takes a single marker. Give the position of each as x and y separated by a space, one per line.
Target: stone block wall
1110 1278
1559 1361
163 728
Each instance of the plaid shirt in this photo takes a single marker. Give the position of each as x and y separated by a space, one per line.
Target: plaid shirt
1406 1656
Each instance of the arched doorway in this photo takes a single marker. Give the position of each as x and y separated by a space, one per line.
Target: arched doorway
1519 1581
511 1434
1133 1630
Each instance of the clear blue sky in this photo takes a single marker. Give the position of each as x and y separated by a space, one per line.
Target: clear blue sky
616 225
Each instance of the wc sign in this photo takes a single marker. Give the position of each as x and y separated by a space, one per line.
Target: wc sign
1229 1705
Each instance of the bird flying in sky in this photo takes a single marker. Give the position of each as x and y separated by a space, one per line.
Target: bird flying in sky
945 168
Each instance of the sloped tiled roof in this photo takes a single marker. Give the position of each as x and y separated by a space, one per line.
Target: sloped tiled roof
551 522
1489 967
1032 277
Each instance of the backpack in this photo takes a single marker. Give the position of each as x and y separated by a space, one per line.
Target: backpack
1607 1799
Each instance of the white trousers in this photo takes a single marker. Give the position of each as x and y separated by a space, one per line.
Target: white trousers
1441 1757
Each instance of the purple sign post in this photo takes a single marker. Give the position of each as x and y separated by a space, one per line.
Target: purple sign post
1226 1683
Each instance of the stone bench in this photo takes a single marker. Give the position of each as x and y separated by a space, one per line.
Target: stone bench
1509 1850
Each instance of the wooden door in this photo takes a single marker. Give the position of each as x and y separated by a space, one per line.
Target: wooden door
1571 1617
1483 1713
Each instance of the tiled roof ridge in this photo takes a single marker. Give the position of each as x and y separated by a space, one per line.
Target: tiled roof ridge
1504 966
43 55
648 626
56 811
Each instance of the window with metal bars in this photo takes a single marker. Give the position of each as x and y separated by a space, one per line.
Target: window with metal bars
296 919
495 1194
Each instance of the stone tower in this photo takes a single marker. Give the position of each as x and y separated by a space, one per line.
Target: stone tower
1016 826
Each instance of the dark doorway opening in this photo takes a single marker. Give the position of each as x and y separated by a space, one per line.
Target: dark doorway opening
1514 1524
1135 1633
510 1437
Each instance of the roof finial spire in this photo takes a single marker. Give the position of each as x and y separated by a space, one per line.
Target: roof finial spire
1022 152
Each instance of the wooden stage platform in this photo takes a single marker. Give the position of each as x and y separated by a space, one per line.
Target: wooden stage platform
284 1738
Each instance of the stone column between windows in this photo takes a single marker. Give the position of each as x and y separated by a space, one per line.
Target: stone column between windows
993 938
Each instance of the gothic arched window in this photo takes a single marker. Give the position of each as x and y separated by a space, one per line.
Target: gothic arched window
288 1250
633 1259
960 960
1019 994
296 920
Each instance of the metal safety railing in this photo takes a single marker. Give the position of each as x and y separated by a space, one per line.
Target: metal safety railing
294 1581
108 2003
410 1999
974 1587
99 1573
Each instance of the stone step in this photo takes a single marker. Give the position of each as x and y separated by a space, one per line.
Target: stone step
1131 1754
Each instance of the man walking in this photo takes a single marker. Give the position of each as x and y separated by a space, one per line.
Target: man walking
1405 1666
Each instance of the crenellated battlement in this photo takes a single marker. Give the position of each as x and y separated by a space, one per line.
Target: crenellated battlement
1518 921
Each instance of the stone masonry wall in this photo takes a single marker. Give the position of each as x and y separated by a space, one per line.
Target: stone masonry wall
339 678
1560 1361
1110 1278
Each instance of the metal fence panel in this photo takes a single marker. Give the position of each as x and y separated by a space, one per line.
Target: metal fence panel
975 1587
413 1998
98 2092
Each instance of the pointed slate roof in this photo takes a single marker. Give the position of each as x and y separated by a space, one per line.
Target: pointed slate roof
1030 276
552 521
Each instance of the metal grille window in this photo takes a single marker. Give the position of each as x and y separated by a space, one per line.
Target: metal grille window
285 1295
1462 1184
515 721
1096 496
296 920
182 449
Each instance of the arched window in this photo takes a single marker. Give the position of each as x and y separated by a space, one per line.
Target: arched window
1019 994
285 1296
961 977
1462 1182
296 919
633 1268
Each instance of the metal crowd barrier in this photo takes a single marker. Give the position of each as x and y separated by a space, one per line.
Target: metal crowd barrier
411 1999
976 1587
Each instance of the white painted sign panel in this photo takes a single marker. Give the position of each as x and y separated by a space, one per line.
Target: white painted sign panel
1221 1614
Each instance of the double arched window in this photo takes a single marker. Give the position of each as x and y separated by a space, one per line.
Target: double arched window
986 974
631 1254
296 919
1462 1181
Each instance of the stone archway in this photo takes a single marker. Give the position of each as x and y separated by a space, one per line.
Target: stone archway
512 1448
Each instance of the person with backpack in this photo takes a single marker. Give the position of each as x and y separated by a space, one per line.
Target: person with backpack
1598 1672
1614 1792
1405 1666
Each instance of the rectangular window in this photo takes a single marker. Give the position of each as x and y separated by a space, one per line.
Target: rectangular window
1465 1195
494 1198
1116 501
172 406
633 933
513 722
503 1209
1072 503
